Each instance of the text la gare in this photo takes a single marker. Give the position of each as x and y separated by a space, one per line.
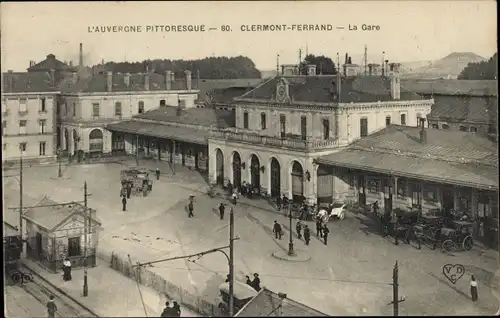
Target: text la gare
364 27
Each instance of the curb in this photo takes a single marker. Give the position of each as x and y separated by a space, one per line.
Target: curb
59 290
299 258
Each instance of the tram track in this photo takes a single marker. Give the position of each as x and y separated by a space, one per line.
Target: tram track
41 289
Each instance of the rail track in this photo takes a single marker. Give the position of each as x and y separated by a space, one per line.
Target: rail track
41 290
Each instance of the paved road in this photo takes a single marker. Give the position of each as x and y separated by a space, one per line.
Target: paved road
350 276
18 303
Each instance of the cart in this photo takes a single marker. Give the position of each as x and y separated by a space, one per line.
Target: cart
138 180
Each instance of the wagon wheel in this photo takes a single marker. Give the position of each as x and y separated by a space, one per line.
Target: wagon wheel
341 215
468 243
448 246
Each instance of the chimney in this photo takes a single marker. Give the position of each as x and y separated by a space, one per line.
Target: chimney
370 69
422 132
70 63
188 80
311 69
75 77
168 80
146 81
53 76
126 79
109 81
395 83
80 61
386 68
339 86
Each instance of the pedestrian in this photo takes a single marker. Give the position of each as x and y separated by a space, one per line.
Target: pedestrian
228 278
190 209
167 312
307 234
319 227
473 288
284 202
248 281
235 196
298 227
157 173
278 202
67 270
277 230
221 211
177 309
51 307
124 204
129 189
325 232
256 282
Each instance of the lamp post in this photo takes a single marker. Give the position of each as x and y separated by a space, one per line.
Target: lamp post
59 162
291 252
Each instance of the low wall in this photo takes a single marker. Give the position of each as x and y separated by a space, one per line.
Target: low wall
149 279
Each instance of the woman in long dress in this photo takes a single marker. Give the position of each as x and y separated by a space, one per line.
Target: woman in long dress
67 269
473 288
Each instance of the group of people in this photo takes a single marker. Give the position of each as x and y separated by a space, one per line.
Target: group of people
254 283
248 190
322 231
126 189
174 311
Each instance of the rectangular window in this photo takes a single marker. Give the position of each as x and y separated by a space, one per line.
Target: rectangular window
303 127
42 105
118 109
74 109
402 191
387 120
462 128
163 103
245 120
42 126
74 246
416 197
95 110
22 146
282 126
263 121
42 148
363 127
140 107
403 119
23 105
22 127
326 129
473 129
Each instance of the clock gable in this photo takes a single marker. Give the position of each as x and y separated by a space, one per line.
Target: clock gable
282 91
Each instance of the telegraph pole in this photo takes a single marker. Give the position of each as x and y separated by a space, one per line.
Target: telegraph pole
21 198
395 291
87 221
231 263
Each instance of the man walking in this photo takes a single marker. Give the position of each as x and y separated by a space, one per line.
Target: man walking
157 173
190 209
278 203
298 228
221 211
277 230
318 228
325 232
168 311
51 307
235 196
307 234
124 204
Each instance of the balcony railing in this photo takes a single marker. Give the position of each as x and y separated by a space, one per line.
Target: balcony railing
311 144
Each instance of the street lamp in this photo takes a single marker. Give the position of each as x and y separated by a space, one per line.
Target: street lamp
59 162
291 252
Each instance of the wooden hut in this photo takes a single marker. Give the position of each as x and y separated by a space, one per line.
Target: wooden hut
56 231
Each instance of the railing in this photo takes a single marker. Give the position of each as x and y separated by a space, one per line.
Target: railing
275 141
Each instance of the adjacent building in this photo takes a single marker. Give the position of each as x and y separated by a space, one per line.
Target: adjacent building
29 102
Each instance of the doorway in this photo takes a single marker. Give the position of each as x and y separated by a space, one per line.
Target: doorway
237 170
448 201
219 167
362 191
275 178
297 182
255 172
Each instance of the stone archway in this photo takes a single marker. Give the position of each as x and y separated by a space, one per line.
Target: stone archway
236 170
96 143
275 169
219 167
255 171
297 181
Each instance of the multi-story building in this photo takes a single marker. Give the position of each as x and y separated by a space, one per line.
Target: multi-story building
28 116
89 103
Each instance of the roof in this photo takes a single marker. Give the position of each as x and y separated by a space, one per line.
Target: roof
451 87
223 95
447 156
320 88
9 230
465 108
267 303
241 291
49 63
23 82
50 215
208 117
97 83
224 90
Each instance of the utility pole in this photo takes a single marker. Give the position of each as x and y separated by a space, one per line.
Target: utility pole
59 174
231 263
21 198
173 156
395 291
366 59
87 221
291 252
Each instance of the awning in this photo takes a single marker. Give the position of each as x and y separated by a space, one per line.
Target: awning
193 135
470 175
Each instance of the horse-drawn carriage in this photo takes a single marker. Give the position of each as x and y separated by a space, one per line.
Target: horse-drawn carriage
333 210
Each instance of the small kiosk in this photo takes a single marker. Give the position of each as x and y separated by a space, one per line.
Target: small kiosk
56 231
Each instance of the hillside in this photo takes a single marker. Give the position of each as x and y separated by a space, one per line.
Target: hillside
449 66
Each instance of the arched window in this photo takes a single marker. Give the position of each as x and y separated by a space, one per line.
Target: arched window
403 119
387 120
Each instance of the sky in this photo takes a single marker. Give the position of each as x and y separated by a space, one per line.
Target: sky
408 30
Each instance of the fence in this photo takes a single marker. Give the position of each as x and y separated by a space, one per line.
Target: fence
149 279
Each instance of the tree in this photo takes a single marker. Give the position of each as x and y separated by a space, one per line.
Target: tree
208 68
324 65
486 70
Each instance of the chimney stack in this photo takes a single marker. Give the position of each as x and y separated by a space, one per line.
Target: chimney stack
11 81
168 80
75 77
422 132
188 79
146 81
109 81
80 61
311 69
126 79
339 86
53 76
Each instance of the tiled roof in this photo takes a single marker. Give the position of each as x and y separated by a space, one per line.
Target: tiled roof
451 87
23 82
321 89
446 144
49 63
97 83
478 176
224 90
268 303
208 117
222 95
198 136
465 108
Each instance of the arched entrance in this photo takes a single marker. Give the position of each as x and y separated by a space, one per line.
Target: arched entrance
75 142
66 139
96 144
297 181
236 170
255 172
219 167
275 178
